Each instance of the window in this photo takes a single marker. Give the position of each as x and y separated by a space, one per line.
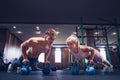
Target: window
57 55
41 57
10 53
103 52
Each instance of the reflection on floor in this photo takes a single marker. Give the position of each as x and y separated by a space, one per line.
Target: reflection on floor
61 75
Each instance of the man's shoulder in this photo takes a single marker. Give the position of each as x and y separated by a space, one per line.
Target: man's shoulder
36 39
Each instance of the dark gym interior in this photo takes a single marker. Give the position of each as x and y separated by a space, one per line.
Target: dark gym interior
95 23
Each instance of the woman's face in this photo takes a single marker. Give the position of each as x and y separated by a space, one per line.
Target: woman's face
71 45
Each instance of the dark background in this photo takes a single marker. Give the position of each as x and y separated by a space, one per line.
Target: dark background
59 11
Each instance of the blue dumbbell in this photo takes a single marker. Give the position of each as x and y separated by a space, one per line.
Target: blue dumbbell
74 69
25 69
90 70
46 70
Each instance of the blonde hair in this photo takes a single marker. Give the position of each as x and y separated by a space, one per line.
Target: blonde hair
72 38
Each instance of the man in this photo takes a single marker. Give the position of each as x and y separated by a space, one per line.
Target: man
83 51
34 46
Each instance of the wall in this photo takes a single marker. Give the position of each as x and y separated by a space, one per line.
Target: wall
9 45
3 33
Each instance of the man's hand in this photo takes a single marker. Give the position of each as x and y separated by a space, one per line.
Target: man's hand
25 61
46 61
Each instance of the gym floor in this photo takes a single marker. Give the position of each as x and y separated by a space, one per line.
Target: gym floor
60 75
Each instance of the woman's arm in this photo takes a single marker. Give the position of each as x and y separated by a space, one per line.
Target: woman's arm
90 51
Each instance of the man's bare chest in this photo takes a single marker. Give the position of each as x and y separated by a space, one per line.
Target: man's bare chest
40 47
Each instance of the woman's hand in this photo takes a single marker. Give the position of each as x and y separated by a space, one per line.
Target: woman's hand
90 62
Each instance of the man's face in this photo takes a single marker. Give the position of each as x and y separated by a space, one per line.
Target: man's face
51 33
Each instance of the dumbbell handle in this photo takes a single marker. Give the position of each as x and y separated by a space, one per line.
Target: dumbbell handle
25 61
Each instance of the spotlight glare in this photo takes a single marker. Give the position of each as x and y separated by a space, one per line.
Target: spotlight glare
19 32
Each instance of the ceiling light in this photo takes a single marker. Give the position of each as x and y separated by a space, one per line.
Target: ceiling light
96 33
14 27
78 27
37 28
114 33
19 32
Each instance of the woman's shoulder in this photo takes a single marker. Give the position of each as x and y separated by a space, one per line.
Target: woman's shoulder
84 47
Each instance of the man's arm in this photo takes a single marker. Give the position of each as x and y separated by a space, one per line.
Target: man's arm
24 49
47 55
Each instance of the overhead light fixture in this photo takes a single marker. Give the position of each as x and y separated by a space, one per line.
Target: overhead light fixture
96 33
37 28
114 33
19 32
14 27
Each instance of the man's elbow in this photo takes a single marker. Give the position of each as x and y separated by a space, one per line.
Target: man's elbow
23 47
